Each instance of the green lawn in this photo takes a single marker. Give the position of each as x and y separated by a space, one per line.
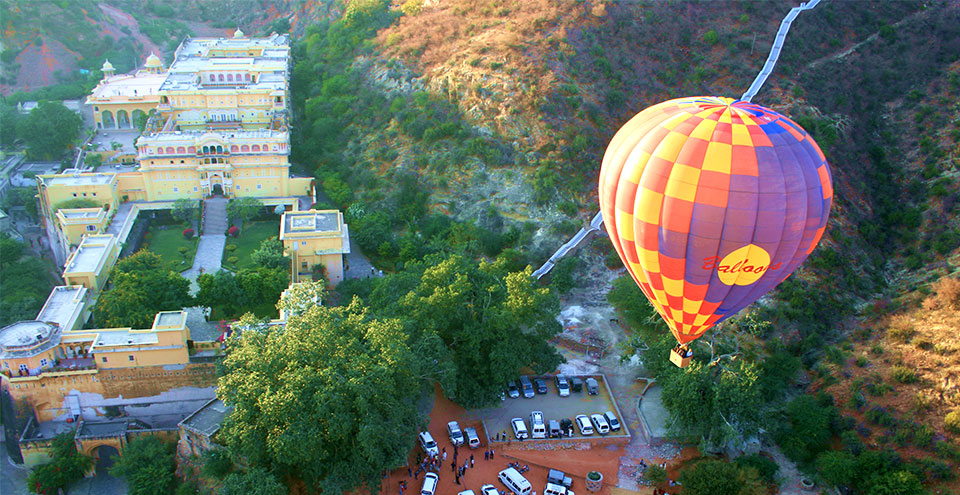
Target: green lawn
167 243
248 242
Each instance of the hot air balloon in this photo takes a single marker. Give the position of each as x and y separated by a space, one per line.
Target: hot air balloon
710 203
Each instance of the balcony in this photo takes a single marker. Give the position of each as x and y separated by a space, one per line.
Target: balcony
64 367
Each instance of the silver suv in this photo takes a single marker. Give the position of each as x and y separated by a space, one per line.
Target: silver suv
456 436
428 445
563 386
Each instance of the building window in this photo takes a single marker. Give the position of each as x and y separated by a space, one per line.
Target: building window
194 188
91 228
94 194
212 78
176 189
256 147
303 243
43 362
238 187
259 186
23 368
104 359
84 195
74 195
130 357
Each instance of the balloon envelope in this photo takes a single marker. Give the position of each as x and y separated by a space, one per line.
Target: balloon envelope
710 203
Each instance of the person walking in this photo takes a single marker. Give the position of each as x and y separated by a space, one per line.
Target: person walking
471 460
444 455
409 472
486 455
491 454
453 467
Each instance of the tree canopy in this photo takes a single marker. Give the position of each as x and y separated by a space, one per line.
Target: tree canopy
25 281
478 322
48 130
231 295
330 399
185 210
142 287
270 254
67 465
712 477
148 466
254 481
243 209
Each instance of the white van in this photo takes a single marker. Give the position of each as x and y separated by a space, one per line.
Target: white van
537 428
512 479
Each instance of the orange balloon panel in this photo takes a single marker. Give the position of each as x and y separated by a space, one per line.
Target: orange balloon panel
710 203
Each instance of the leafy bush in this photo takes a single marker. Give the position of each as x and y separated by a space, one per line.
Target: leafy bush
230 247
233 231
952 421
765 467
233 260
711 37
903 334
188 233
903 374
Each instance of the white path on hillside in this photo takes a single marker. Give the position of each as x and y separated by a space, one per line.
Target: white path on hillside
570 245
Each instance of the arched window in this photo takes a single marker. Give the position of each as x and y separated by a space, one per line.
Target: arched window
181 150
206 149
220 77
219 149
213 78
233 148
247 76
159 151
244 148
169 150
230 77
192 149
256 147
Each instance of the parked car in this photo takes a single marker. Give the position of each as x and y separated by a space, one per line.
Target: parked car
526 386
538 429
566 426
563 386
429 484
512 390
576 384
583 423
593 388
472 439
600 422
540 385
553 429
428 445
612 419
558 477
519 428
488 489
467 492
456 436
555 489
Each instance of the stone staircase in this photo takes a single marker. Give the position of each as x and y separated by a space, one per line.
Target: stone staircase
215 216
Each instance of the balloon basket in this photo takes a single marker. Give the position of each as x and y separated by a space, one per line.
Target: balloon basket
679 359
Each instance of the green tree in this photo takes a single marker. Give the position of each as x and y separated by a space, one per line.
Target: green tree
25 281
93 160
148 466
330 399
807 431
21 196
48 130
217 463
9 116
837 467
254 481
67 465
142 287
270 254
185 210
478 323
232 295
241 210
897 483
712 477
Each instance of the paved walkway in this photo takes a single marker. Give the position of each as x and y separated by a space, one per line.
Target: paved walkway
116 224
210 248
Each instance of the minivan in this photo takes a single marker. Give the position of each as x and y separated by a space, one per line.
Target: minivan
537 428
576 384
583 423
512 479
558 477
472 439
612 419
592 387
526 387
563 386
519 428
553 429
429 484
600 422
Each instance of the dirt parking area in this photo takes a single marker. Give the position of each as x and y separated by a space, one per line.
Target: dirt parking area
497 419
576 461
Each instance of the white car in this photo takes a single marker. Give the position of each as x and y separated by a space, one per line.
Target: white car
600 423
429 484
519 428
467 492
456 436
428 445
583 423
612 419
488 489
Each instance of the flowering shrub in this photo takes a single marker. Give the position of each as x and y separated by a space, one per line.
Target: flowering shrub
233 231
188 233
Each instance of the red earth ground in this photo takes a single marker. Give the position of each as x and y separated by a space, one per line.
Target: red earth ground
576 463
